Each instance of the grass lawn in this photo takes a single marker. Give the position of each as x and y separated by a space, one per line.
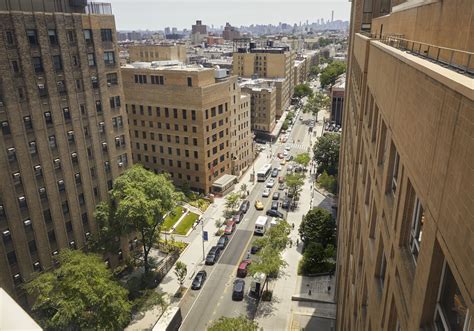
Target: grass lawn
170 220
186 223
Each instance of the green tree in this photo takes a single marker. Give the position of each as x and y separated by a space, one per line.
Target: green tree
328 182
331 72
317 258
180 270
139 201
302 159
240 323
323 42
285 125
326 153
314 70
269 261
276 237
317 102
302 90
79 294
243 189
318 226
231 201
294 182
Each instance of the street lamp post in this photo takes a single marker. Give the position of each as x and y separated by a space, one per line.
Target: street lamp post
202 236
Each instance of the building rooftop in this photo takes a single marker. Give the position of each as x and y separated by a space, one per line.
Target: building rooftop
340 82
165 65
12 316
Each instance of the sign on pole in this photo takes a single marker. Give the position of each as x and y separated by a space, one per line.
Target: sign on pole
205 236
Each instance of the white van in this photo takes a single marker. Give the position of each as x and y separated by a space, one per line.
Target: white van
261 225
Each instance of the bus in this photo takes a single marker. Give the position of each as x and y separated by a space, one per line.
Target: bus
170 320
263 173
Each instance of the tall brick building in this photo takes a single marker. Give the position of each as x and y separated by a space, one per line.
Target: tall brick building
189 121
64 133
406 210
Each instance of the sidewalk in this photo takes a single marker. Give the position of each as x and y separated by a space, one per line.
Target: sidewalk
193 254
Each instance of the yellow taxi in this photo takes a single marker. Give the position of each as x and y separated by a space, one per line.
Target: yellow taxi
283 162
258 205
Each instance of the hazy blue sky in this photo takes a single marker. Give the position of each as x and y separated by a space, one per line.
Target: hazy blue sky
157 14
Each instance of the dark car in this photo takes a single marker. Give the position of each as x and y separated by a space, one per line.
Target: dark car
243 268
274 213
244 207
274 172
285 204
199 280
223 240
276 196
274 205
238 290
237 217
213 255
254 249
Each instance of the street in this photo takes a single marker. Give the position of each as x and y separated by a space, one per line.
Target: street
201 307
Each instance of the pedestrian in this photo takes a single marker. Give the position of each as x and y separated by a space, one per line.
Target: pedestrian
292 225
297 242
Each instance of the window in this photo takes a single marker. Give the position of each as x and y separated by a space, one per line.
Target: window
451 310
15 66
396 163
48 118
115 102
37 170
416 230
11 153
106 34
5 127
27 122
57 63
71 36
67 114
190 81
91 59
37 64
193 115
52 141
32 147
88 36
57 163
112 79
109 58
32 37
61 185
158 80
53 38
10 38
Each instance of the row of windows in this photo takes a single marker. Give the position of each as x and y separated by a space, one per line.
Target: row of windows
142 79
166 112
177 139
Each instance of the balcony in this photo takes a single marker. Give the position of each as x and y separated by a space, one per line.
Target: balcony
99 8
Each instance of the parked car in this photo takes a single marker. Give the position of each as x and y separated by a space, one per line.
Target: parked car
199 280
223 240
266 193
276 196
289 158
229 228
285 153
274 172
244 207
285 204
213 255
282 162
243 268
281 186
280 155
238 290
274 205
238 217
274 213
288 148
281 179
254 249
270 183
258 205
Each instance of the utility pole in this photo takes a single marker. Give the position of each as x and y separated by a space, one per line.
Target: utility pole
202 237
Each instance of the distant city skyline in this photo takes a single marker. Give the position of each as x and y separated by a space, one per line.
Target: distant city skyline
156 15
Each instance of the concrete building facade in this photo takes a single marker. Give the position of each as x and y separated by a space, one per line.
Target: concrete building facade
185 120
64 135
263 105
337 100
405 214
159 52
230 32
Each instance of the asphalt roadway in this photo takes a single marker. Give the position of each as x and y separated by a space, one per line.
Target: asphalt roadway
199 308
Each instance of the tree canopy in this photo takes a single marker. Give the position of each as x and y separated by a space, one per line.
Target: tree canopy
240 323
314 70
317 102
232 200
302 90
302 159
326 153
140 199
331 72
79 294
324 41
294 182
318 226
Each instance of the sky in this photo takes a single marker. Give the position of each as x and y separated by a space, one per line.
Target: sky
158 14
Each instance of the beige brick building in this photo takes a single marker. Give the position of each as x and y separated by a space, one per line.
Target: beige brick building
159 52
188 122
406 210
262 103
250 61
64 134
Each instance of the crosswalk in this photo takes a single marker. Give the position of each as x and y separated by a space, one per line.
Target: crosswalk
300 146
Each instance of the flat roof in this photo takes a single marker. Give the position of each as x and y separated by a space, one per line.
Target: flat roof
165 65
224 180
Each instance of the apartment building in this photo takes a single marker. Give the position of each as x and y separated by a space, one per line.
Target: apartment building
64 134
405 214
337 99
189 121
268 62
158 52
263 106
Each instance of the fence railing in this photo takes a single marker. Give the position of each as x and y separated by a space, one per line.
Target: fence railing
455 59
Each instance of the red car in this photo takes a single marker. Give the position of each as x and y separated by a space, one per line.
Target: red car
243 268
229 228
281 179
280 155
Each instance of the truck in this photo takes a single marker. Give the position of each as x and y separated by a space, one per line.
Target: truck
261 225
170 320
257 285
274 221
